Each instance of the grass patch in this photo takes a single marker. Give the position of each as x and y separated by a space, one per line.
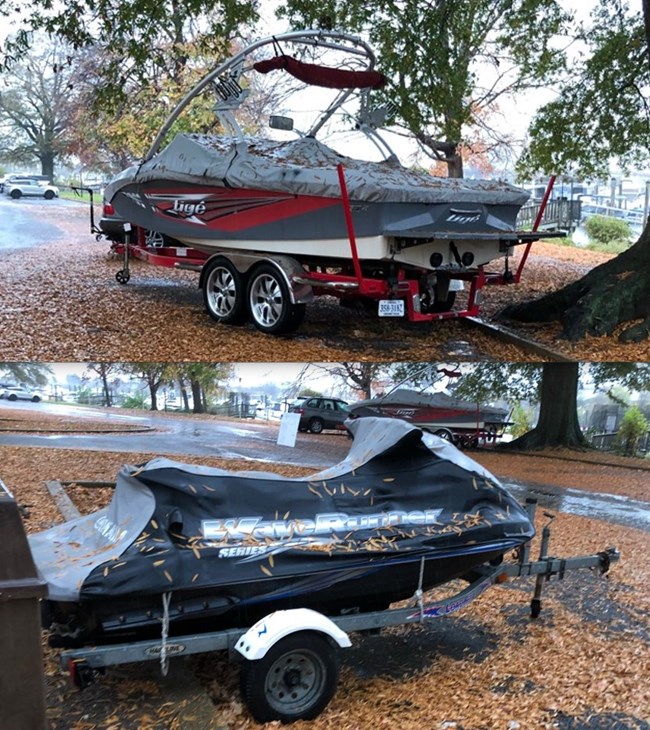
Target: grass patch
613 247
79 197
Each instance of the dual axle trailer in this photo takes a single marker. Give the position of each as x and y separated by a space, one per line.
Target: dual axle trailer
271 290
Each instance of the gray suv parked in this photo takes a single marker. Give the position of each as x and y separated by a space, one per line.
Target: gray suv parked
317 414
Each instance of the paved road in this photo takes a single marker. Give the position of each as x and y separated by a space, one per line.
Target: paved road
21 226
246 439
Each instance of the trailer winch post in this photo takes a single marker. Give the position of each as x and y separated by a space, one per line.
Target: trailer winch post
538 220
22 684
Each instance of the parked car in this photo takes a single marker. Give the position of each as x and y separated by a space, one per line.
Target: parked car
111 224
19 176
317 414
19 187
18 393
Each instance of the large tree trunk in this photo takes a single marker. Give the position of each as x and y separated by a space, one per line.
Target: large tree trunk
557 424
153 394
197 397
615 292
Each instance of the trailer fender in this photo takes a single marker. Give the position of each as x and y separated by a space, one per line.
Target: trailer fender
256 642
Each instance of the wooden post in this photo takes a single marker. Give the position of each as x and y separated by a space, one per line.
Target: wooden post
22 690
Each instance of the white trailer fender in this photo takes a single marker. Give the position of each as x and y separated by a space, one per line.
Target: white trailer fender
267 631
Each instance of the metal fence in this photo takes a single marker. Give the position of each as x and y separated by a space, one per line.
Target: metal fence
607 442
559 214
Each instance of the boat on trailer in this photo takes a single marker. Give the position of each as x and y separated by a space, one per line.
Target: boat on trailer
180 564
272 222
462 422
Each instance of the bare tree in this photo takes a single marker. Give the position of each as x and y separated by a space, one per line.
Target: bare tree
35 108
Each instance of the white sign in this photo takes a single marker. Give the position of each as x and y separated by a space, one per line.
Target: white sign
288 429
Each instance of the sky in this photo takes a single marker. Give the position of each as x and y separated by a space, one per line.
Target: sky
247 377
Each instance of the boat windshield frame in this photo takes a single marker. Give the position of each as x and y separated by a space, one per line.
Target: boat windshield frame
326 39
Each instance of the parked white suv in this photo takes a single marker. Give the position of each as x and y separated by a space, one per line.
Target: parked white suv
18 393
30 187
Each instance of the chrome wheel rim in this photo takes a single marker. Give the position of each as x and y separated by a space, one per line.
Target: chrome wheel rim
266 300
222 291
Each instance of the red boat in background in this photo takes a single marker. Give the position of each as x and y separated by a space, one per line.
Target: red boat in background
462 422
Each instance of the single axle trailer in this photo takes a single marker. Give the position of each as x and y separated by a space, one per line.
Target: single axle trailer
289 660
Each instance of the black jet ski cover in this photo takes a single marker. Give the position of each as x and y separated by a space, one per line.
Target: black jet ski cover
399 495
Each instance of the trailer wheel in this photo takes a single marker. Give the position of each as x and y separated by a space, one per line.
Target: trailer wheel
269 302
223 292
444 433
294 681
122 276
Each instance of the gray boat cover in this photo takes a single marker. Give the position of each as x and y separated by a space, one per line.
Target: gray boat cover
416 399
66 554
306 167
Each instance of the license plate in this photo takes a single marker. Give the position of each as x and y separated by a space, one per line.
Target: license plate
391 308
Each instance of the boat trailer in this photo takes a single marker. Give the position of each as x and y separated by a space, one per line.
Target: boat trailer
289 659
274 289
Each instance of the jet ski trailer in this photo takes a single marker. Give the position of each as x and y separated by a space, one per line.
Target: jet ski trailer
289 659
272 223
179 560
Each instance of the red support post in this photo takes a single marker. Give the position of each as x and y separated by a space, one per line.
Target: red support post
538 220
348 220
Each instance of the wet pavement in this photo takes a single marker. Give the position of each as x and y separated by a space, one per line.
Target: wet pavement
598 505
23 225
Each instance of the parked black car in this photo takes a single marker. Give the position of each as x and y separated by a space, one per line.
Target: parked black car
317 414
111 225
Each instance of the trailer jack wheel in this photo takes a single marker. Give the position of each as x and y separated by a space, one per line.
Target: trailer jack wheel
295 680
123 276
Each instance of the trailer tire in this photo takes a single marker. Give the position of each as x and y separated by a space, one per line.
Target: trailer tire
295 680
223 291
269 302
444 433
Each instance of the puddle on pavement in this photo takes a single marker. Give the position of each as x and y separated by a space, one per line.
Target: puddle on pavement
600 506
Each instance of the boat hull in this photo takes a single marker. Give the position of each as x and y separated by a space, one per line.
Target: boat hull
433 411
356 588
423 235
